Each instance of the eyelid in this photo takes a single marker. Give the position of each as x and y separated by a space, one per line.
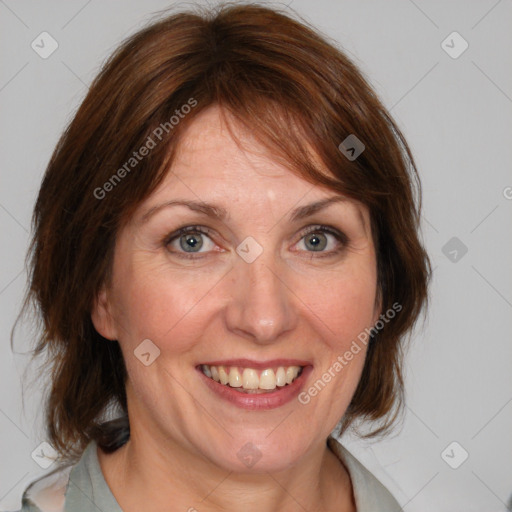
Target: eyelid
187 229
314 228
183 231
321 228
340 237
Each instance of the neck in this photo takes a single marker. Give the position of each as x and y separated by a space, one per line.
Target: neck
149 473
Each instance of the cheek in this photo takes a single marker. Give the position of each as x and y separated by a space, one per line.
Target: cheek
346 305
152 303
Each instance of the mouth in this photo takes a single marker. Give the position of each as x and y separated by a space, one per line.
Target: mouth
252 380
252 385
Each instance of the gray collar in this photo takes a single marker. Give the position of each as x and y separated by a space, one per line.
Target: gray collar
82 487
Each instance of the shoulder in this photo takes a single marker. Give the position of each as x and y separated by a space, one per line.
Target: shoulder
51 492
47 493
369 493
79 487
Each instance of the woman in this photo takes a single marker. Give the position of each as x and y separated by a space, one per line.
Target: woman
226 259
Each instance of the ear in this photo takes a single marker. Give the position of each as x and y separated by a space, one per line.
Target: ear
101 316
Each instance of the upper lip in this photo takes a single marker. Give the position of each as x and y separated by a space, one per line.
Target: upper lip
258 365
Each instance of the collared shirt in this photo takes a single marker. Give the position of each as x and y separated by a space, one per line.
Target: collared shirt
82 487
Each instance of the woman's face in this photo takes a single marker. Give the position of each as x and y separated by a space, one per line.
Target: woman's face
259 290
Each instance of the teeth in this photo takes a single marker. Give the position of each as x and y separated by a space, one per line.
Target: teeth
235 379
280 377
224 378
291 374
249 379
268 379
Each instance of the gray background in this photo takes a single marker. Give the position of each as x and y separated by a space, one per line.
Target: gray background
457 116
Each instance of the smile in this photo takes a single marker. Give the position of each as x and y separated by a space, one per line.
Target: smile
255 385
251 380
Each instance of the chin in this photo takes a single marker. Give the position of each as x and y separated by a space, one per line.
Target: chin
260 453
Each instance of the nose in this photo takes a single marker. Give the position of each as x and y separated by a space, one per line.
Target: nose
261 307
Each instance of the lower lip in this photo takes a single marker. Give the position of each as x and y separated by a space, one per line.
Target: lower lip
261 401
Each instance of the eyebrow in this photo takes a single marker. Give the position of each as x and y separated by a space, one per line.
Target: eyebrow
220 213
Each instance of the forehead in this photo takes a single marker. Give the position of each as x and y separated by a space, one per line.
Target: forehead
209 150
209 160
235 173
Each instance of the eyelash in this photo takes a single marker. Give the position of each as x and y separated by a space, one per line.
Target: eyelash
340 237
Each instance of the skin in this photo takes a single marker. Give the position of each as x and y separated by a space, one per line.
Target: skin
291 302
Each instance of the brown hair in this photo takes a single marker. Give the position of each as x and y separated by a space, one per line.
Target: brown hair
295 90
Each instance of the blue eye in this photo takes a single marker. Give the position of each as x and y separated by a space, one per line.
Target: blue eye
188 241
316 239
191 240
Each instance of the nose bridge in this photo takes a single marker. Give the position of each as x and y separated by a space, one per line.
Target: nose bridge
261 306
